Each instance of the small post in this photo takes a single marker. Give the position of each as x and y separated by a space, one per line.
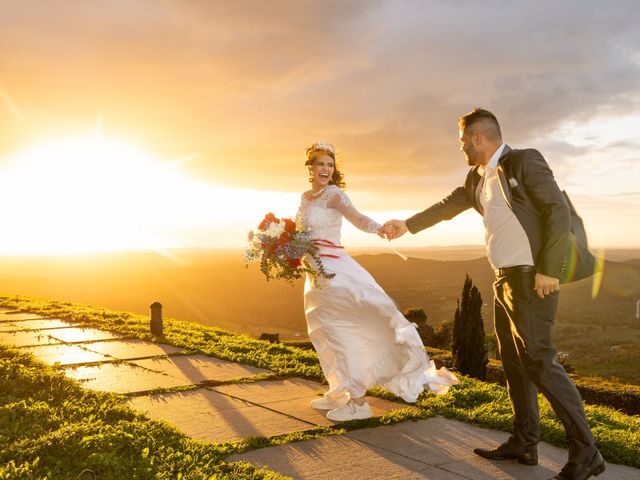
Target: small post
156 319
638 309
270 337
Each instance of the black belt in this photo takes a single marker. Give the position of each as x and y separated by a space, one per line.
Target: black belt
503 272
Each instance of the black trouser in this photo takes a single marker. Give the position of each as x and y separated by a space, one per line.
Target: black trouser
523 324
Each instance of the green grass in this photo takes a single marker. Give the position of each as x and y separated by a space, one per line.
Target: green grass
52 428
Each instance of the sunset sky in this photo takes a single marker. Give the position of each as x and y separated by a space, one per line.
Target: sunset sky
155 124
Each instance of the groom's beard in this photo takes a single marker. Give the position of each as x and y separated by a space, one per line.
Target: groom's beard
472 155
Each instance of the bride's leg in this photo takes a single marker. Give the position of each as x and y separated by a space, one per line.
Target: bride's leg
359 401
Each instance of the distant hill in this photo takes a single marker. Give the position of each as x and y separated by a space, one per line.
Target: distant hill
457 252
215 288
619 254
435 285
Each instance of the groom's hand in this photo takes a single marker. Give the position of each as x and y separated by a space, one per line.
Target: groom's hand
546 285
399 228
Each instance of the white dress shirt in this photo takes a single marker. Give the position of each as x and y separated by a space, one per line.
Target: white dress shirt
507 242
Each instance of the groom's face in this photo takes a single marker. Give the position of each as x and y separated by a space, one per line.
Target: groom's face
467 147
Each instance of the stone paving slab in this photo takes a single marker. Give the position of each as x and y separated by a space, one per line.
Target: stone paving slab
292 397
7 316
437 448
273 391
9 326
122 378
43 324
211 416
79 335
130 349
65 354
26 339
341 458
194 369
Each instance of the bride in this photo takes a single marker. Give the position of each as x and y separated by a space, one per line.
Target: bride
360 336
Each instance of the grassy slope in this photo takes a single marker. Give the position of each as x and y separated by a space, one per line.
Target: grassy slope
47 417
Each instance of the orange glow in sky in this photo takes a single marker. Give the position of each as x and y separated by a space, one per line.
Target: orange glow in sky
205 110
93 193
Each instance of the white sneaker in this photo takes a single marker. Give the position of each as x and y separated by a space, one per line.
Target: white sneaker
328 403
350 411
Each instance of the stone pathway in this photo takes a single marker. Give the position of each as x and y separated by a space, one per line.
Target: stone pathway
236 411
218 408
104 361
436 448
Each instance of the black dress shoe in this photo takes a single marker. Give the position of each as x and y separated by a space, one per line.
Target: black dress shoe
507 452
582 471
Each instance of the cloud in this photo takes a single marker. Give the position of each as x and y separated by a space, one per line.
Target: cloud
247 85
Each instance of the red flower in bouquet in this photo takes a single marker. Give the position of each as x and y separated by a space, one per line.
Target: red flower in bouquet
289 225
281 249
295 262
268 218
284 238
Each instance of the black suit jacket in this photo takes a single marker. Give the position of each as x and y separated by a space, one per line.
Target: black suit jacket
533 195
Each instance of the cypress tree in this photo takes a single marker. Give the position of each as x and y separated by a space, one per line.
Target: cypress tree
468 348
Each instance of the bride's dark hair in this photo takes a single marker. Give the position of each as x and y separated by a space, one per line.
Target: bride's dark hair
315 151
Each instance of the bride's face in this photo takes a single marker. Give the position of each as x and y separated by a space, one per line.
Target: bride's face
321 171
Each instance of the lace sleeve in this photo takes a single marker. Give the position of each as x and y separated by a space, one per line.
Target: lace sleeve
341 202
298 217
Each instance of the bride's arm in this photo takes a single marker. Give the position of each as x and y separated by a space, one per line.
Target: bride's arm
341 202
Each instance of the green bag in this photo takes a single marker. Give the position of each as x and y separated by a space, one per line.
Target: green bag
579 262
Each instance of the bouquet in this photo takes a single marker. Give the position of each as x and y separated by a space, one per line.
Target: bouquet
281 249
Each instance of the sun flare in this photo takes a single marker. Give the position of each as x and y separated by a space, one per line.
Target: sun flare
93 194
78 194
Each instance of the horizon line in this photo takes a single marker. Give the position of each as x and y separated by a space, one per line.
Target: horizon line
242 249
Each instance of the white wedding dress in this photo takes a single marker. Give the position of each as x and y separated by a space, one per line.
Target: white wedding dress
360 336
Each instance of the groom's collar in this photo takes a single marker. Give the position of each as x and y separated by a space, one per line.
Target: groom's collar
493 161
505 151
497 155
479 169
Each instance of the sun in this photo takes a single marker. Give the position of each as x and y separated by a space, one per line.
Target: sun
84 194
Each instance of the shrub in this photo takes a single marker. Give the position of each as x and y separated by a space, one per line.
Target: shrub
419 317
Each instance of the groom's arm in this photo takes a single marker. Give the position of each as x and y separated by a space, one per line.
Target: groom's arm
554 212
446 209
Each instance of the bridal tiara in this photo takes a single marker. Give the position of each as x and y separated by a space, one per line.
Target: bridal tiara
324 146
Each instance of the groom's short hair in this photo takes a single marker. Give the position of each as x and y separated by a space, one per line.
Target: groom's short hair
483 120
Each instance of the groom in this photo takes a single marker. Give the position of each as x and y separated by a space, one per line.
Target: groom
527 223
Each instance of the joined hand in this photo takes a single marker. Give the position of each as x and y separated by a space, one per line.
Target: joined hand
386 231
397 228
